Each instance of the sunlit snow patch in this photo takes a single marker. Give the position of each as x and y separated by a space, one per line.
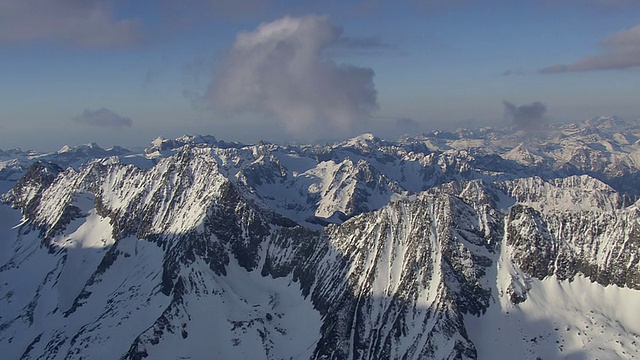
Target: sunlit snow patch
560 319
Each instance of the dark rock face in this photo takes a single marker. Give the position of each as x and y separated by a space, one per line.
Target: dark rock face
529 237
540 252
597 239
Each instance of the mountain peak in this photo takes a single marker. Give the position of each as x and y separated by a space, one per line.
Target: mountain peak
161 143
609 122
86 147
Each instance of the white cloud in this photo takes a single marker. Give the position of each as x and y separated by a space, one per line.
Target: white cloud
104 118
281 70
86 23
623 51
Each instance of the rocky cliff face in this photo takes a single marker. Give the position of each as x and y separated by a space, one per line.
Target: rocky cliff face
364 250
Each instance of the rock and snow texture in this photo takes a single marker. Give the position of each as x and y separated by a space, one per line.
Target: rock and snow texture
489 244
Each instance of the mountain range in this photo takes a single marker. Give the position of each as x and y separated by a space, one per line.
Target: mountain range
493 243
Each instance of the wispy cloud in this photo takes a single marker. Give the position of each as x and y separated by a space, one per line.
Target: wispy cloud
87 23
281 70
528 116
104 118
622 52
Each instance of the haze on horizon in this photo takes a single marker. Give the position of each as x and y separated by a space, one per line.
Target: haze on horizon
122 72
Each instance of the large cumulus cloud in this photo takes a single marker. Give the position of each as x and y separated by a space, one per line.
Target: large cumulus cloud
281 70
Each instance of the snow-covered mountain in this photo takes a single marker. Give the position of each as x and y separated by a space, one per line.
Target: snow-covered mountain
15 162
489 244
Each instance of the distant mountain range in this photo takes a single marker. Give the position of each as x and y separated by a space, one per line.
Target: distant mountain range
488 243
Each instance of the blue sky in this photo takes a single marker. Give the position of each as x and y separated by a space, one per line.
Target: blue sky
121 72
